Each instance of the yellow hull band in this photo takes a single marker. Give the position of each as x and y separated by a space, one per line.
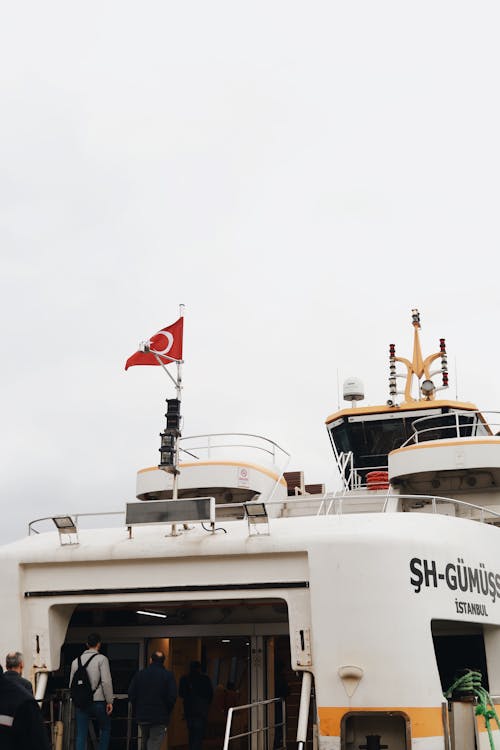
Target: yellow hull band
481 724
446 443
266 472
424 722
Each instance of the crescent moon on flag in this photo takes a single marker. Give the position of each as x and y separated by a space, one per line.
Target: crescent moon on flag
169 342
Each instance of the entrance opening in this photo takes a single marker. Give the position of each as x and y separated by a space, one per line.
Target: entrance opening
243 646
458 646
227 662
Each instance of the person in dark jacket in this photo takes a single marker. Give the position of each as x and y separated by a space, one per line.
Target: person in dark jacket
21 723
14 665
196 690
153 693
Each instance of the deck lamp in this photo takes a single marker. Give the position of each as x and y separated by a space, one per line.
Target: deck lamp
66 528
256 514
427 388
256 510
64 524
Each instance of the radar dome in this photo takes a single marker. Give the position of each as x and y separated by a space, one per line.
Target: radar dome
353 389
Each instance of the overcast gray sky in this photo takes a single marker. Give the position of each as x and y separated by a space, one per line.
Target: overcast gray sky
299 175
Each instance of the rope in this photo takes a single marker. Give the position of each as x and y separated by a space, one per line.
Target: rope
469 683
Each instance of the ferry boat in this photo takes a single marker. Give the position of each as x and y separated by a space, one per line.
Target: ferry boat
378 605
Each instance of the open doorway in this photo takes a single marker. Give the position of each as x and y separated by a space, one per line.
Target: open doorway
243 646
459 646
227 662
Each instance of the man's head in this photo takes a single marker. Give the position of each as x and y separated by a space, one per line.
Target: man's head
195 667
157 657
14 661
94 641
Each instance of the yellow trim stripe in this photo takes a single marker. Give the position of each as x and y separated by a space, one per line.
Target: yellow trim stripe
446 443
268 473
481 724
425 722
407 406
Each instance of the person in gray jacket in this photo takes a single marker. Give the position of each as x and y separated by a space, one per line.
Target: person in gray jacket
102 686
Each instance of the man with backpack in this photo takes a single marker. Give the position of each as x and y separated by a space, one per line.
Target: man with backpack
92 693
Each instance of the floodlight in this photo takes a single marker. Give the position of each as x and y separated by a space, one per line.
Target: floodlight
66 528
64 524
256 511
256 514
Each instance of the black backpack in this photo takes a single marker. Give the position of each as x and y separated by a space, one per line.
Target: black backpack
81 691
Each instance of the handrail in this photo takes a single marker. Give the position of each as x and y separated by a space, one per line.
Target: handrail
329 500
436 499
75 516
458 426
250 706
208 446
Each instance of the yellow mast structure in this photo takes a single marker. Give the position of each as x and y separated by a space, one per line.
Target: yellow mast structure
419 366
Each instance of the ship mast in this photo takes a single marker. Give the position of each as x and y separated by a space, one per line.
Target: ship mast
418 368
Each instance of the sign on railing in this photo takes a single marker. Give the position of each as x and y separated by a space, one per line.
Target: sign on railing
171 511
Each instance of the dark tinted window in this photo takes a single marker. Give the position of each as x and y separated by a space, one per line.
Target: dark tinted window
372 440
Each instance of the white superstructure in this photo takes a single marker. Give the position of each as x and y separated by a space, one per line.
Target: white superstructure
369 601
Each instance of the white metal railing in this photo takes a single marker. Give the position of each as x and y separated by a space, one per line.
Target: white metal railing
218 441
464 424
350 475
265 724
434 501
334 504
75 517
331 503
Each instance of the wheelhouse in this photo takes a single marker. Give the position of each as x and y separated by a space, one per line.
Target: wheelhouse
362 438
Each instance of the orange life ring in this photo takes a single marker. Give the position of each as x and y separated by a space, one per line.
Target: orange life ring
377 480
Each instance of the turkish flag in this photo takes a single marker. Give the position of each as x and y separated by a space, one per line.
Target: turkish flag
167 345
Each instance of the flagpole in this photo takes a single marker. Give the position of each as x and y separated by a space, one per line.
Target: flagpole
170 437
178 389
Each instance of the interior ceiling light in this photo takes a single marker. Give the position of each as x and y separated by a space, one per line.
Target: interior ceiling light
151 614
